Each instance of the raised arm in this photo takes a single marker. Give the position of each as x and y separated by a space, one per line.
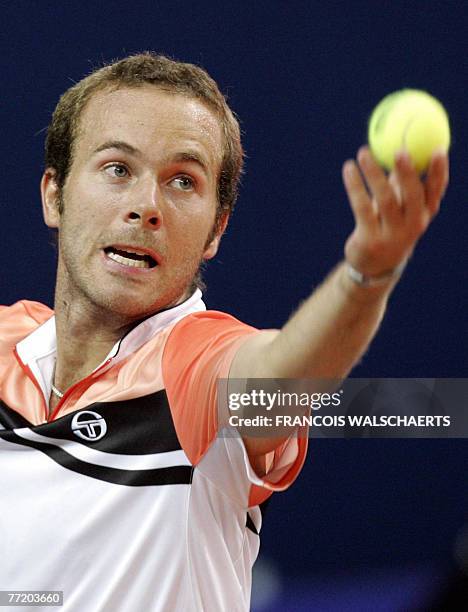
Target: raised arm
332 329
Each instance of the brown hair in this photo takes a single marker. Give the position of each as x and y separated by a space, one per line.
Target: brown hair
135 71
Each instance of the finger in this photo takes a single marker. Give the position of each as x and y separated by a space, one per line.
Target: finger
393 180
411 187
436 181
359 199
383 192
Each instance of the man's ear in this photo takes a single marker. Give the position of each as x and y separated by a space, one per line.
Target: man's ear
50 194
212 247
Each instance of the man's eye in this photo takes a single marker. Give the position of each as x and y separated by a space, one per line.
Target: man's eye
184 183
116 170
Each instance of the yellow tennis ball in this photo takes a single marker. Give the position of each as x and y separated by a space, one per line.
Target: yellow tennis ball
410 119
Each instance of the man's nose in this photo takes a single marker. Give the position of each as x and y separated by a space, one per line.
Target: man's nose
145 208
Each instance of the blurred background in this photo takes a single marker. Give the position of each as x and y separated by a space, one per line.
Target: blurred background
370 524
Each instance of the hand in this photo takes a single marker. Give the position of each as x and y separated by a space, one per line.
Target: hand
391 212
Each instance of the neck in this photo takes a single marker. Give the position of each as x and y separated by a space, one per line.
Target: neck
87 331
84 338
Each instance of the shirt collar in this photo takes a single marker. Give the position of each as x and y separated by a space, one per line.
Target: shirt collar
38 350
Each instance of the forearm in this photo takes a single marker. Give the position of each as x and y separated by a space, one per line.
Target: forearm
330 331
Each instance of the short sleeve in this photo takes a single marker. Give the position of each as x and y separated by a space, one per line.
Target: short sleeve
198 352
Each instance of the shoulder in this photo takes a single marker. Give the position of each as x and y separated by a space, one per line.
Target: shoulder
209 325
26 309
204 337
19 320
198 352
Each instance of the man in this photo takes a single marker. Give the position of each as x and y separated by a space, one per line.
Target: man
109 404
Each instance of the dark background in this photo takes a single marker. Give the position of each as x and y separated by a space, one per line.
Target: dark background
303 77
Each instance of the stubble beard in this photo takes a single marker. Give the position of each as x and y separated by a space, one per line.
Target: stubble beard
78 287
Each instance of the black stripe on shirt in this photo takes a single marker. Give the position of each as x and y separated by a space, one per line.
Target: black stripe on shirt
10 419
136 426
250 524
178 474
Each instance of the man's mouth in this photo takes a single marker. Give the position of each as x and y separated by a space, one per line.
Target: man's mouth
133 258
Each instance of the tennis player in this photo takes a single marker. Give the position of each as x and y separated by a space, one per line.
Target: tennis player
117 488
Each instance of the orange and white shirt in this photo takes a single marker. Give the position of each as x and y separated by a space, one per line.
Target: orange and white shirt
126 498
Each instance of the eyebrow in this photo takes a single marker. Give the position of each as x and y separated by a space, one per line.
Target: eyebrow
194 157
182 156
118 144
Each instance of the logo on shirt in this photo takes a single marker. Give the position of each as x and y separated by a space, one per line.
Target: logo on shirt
89 425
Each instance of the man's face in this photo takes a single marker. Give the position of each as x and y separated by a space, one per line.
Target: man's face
139 203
